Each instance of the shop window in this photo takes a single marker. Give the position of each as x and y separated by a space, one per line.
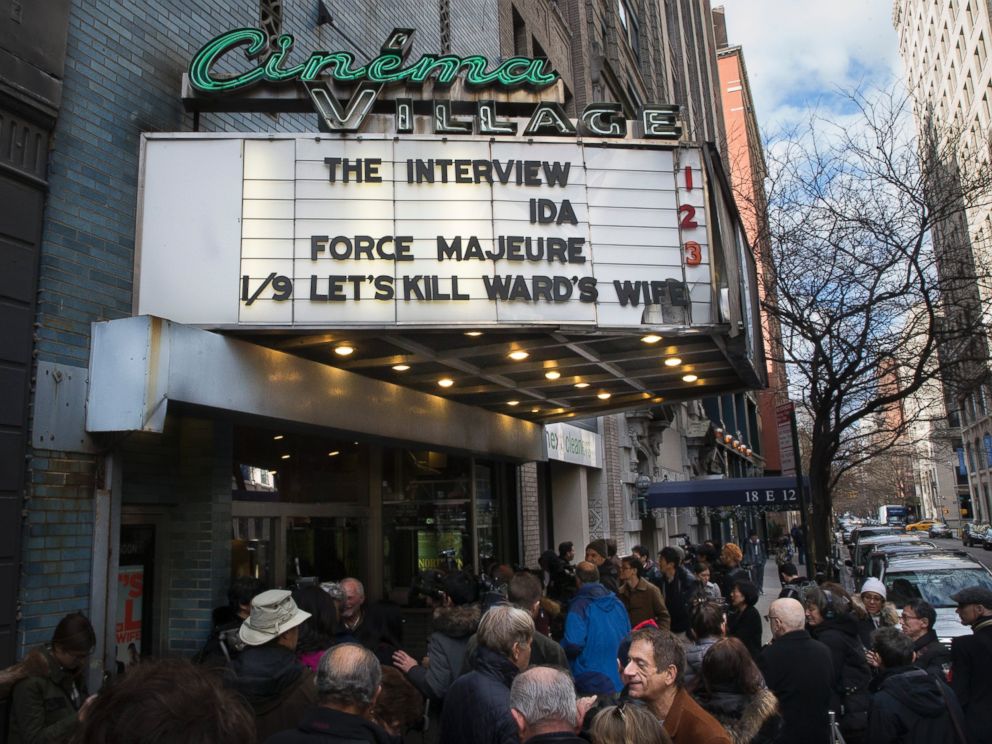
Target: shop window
252 548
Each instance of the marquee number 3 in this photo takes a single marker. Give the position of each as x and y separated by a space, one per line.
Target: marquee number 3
693 253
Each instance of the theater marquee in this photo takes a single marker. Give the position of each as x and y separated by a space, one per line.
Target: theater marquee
298 230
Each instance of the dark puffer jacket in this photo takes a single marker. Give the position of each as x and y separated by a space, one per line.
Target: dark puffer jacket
477 707
931 655
851 674
276 686
747 718
452 627
45 702
909 708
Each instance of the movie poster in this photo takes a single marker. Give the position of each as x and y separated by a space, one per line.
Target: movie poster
130 587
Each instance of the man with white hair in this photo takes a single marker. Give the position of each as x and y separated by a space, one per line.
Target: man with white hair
353 607
477 706
542 702
799 670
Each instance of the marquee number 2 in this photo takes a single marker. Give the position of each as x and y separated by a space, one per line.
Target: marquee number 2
688 213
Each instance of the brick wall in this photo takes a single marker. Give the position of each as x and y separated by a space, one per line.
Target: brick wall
530 529
124 66
57 545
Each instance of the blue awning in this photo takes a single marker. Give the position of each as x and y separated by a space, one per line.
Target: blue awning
775 493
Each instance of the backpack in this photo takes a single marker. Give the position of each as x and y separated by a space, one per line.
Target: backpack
796 590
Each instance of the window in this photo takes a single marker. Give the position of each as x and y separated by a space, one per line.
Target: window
631 27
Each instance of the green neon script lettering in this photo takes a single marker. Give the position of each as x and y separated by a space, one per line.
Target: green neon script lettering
199 68
386 68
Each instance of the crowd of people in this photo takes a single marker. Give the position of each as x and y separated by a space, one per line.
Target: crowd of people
609 650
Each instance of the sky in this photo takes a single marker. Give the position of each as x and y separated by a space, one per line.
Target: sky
799 53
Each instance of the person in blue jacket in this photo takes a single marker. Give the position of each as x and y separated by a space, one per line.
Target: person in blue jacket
596 624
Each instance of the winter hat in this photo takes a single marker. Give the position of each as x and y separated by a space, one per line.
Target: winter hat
599 546
272 613
874 585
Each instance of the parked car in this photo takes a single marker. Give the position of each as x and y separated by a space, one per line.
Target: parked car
866 544
935 577
882 554
939 529
863 533
987 539
973 533
923 525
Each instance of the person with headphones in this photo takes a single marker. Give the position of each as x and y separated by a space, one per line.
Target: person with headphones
830 620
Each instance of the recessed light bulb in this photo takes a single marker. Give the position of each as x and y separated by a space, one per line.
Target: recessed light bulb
473 334
581 385
334 453
518 355
651 338
445 382
401 367
603 396
277 437
689 378
673 362
513 402
284 457
552 374
344 350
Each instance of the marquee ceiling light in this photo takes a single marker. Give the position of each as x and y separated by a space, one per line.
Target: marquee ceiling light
344 350
651 338
518 355
535 410
581 385
334 453
673 362
284 457
513 402
728 438
552 374
401 367
603 396
473 334
445 382
689 378
277 437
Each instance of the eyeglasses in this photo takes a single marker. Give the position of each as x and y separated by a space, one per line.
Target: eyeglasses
909 617
770 618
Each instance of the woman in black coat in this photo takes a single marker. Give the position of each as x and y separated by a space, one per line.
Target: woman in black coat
743 619
830 621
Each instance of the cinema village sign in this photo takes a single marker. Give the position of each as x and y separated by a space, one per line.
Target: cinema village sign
548 118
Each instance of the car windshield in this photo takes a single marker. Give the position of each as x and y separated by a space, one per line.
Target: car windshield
934 586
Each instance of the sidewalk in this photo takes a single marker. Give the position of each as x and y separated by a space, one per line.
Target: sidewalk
772 587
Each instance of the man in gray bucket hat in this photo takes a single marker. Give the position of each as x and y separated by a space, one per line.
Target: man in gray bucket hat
267 673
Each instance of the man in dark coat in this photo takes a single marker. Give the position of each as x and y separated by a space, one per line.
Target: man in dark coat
909 706
542 702
267 674
597 553
477 707
677 586
349 679
918 618
799 670
971 660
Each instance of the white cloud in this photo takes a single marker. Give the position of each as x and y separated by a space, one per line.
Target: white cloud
799 52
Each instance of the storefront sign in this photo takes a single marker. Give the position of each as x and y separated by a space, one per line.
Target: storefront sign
571 444
783 422
305 230
339 66
767 493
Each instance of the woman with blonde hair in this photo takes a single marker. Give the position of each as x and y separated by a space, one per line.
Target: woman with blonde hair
627 723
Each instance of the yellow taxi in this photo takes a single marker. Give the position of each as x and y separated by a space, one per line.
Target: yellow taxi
923 525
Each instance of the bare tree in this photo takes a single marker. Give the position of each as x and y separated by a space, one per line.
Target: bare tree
873 284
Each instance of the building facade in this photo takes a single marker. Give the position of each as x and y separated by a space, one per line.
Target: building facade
182 433
944 47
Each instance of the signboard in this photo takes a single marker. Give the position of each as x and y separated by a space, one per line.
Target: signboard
130 591
783 420
376 230
574 445
768 493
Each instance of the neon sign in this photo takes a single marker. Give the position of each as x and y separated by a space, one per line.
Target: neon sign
340 66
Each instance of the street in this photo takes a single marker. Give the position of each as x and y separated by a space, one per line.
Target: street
980 554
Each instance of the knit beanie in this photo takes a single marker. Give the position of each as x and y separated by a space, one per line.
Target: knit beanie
599 546
874 585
